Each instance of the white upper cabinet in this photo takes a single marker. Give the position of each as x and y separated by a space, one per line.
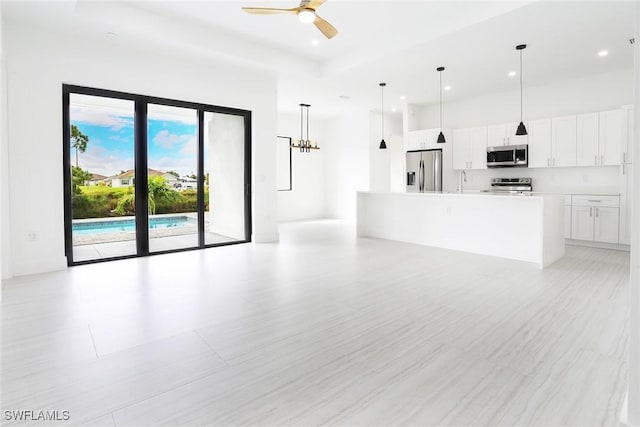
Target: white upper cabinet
627 134
588 135
478 148
504 135
496 135
470 148
563 141
423 139
539 143
461 142
610 141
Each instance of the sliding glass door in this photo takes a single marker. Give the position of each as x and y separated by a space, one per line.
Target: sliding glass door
146 175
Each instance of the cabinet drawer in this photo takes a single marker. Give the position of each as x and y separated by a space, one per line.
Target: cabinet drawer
604 201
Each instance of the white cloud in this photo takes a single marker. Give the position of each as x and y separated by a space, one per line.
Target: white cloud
99 117
168 140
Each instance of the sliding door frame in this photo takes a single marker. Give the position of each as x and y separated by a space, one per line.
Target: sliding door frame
141 103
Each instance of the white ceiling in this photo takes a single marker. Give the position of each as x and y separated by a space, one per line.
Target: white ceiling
400 42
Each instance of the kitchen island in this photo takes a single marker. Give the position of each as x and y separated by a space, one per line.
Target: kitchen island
526 227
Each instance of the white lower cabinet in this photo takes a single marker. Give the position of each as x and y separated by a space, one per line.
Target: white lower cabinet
606 225
595 218
626 203
567 221
582 223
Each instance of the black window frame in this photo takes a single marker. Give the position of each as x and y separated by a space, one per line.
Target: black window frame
141 166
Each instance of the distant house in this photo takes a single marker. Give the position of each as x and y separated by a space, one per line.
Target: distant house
127 179
186 183
96 178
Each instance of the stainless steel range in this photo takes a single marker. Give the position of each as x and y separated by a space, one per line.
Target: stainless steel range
510 185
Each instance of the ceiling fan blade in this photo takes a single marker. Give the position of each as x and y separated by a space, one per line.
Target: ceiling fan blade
268 10
314 4
327 29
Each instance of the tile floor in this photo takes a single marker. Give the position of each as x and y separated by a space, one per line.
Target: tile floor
322 328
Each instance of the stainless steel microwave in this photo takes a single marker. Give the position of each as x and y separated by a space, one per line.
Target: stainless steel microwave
508 156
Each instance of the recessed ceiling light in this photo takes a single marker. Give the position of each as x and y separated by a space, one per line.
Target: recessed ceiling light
344 97
393 110
603 53
447 88
512 74
403 97
111 34
315 42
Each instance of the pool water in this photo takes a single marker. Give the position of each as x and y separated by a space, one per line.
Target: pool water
124 225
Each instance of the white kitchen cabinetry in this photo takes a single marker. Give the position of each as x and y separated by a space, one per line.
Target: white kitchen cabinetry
470 148
588 133
595 218
606 225
540 143
504 134
582 223
563 141
627 134
610 137
423 139
567 216
626 203
600 138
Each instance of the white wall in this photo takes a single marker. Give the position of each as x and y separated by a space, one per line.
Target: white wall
37 65
346 163
580 95
5 231
380 160
306 199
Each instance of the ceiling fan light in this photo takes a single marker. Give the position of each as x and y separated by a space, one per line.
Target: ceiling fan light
383 145
522 130
307 16
441 139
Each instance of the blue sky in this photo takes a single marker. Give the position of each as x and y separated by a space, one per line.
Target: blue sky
172 141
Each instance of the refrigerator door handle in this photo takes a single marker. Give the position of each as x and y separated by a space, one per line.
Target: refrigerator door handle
421 176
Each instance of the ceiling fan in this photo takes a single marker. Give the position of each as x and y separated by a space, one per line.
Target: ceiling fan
306 13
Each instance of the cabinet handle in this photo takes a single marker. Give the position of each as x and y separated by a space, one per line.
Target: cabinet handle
590 211
470 165
594 201
624 157
548 161
596 212
596 159
602 159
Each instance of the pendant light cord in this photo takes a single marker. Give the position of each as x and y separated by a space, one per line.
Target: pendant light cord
520 85
440 101
382 87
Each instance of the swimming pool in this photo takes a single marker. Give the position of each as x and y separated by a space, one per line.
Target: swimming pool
124 225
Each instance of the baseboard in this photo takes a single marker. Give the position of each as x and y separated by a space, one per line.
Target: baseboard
600 245
265 237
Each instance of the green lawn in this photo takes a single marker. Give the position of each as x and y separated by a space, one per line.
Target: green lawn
98 189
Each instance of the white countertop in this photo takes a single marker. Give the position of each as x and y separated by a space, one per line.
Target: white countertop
471 193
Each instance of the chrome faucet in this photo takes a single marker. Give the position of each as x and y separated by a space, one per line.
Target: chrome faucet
463 179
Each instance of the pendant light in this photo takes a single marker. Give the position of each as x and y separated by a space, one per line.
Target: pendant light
383 145
441 139
522 130
304 144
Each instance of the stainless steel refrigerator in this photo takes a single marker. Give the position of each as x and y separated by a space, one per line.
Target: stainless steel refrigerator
424 171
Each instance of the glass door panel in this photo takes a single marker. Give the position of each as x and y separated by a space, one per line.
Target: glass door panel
224 177
102 187
172 177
